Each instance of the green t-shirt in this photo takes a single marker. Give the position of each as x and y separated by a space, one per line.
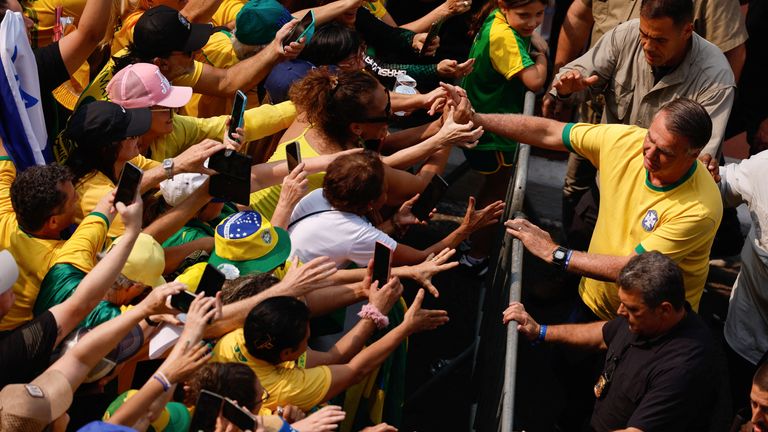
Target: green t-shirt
59 284
499 53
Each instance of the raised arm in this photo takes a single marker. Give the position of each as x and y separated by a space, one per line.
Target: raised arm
99 280
248 73
189 354
416 320
80 360
173 220
77 46
355 339
473 221
200 11
536 131
298 281
191 160
574 33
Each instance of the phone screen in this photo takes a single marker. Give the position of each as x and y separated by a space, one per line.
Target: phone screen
211 281
429 197
238 108
207 411
304 28
434 29
238 416
229 188
182 301
130 179
292 155
381 263
231 163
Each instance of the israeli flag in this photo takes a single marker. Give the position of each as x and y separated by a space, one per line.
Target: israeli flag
22 125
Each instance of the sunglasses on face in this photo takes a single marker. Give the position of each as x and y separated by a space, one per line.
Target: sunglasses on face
171 111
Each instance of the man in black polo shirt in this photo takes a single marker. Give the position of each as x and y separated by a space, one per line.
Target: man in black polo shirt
659 372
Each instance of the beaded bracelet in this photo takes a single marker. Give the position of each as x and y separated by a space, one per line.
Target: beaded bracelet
371 312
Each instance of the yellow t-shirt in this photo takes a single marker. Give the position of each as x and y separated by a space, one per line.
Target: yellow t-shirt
124 36
97 89
286 383
187 131
265 200
218 52
94 186
35 256
678 220
227 12
43 14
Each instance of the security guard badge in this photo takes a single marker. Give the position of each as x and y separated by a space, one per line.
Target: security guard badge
601 386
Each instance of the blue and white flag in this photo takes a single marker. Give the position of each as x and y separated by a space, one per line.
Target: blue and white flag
22 124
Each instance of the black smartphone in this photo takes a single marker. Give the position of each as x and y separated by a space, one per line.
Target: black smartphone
239 417
231 163
429 198
382 260
305 27
434 29
207 411
130 180
238 109
230 189
292 155
182 301
211 281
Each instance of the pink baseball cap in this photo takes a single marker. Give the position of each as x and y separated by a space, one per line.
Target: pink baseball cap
141 85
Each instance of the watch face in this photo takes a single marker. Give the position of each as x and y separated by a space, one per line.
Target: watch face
167 163
559 254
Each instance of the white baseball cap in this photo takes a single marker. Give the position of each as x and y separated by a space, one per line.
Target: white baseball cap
9 271
181 186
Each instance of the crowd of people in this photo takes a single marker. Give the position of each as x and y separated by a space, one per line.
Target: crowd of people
204 214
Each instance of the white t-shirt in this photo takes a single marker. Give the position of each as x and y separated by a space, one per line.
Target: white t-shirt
342 236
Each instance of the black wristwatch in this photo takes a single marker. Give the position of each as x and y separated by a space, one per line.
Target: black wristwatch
561 257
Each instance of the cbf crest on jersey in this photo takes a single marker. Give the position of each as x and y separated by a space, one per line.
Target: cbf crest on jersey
650 220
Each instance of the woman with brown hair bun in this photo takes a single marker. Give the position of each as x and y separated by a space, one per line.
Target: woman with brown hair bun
340 111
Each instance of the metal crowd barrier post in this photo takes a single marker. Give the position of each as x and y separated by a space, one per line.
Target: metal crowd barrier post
495 406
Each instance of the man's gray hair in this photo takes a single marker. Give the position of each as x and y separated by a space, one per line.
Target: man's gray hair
656 277
687 118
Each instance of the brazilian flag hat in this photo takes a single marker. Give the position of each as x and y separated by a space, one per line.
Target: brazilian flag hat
250 242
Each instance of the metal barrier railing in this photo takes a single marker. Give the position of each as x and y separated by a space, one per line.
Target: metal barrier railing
496 345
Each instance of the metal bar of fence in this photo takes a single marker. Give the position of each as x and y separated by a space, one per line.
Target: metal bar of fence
515 278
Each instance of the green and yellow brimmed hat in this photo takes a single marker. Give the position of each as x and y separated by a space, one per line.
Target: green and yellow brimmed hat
249 242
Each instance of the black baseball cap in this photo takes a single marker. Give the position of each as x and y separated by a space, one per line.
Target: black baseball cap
162 30
102 121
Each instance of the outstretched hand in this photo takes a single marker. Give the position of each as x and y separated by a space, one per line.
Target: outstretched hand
453 133
417 319
324 419
434 264
571 82
301 280
477 219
